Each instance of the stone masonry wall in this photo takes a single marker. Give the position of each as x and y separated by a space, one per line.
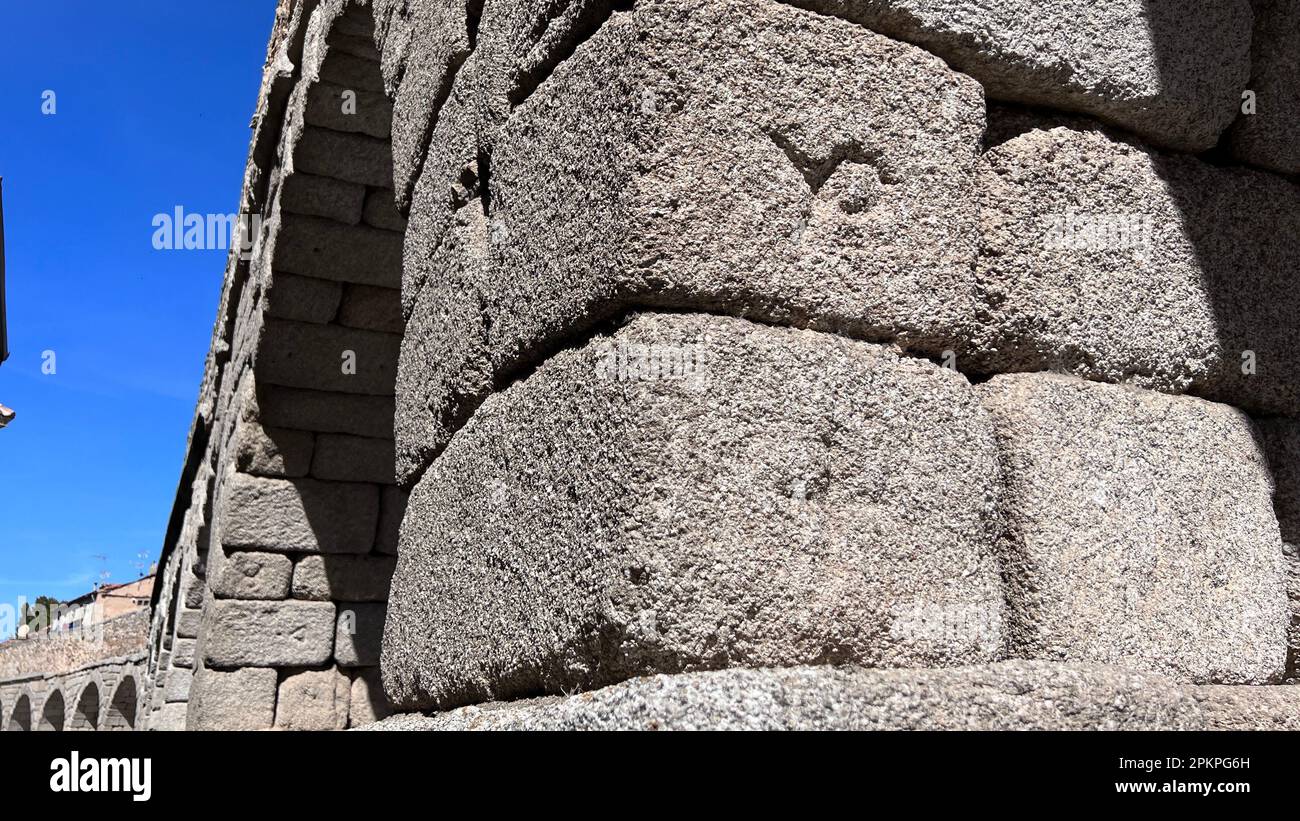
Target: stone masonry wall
828 363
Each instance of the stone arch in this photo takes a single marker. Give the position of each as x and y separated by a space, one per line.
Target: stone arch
121 714
52 712
21 717
86 710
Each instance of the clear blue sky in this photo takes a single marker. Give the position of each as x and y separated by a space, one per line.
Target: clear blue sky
153 101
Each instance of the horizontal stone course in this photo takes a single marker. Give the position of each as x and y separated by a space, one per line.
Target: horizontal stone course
244 575
326 412
351 157
277 452
804 195
1267 137
378 309
269 634
353 458
241 699
349 110
326 197
1013 695
343 578
1115 262
359 634
380 210
1173 72
306 299
327 357
302 515
321 248
1140 531
313 700
798 498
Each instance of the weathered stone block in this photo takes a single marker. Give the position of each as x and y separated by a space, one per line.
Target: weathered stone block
187 623
323 197
1077 223
237 700
352 157
178 685
378 309
326 412
183 653
327 357
280 634
699 492
353 458
349 71
169 718
316 247
306 299
343 578
1013 695
243 575
359 634
313 700
381 210
392 508
1268 137
277 452
368 703
299 515
1172 72
349 109
670 162
1281 440
1140 531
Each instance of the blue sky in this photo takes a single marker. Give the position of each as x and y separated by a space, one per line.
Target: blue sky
153 100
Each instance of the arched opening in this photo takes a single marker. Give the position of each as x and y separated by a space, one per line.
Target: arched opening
21 719
121 710
86 714
52 713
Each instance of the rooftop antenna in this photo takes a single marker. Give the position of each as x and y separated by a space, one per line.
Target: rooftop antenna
6 415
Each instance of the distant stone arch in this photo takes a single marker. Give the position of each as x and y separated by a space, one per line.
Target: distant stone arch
52 712
122 709
21 718
85 715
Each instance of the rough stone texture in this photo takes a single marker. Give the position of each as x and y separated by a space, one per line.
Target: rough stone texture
242 575
1019 695
178 685
799 498
313 700
349 109
1140 531
299 515
368 703
317 247
326 412
323 197
1268 138
378 309
327 357
271 634
343 578
183 653
360 633
307 299
392 507
1171 70
1250 708
671 162
1214 268
353 458
241 699
351 157
381 210
1281 441
277 452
